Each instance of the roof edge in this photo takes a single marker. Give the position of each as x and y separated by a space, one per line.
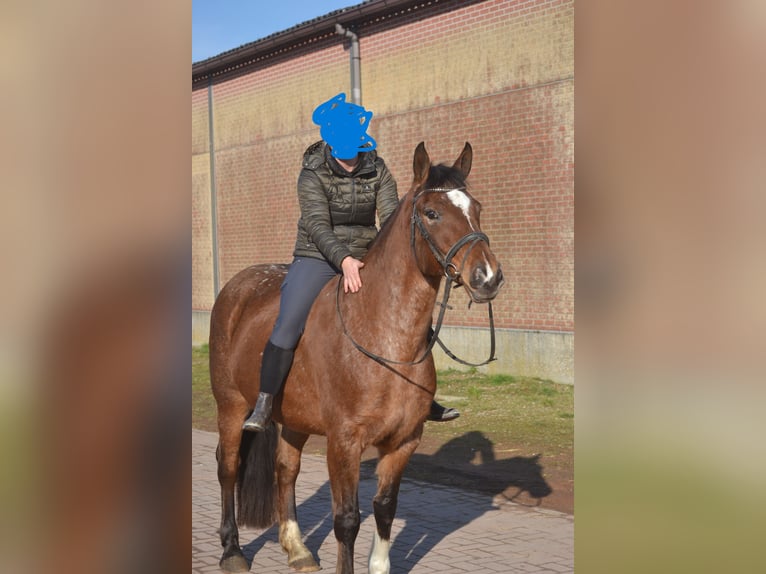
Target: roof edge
301 32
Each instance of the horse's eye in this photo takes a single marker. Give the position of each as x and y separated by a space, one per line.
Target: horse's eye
431 214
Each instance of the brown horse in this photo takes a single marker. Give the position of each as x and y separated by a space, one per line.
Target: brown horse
363 373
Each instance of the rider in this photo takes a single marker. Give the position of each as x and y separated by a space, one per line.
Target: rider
342 184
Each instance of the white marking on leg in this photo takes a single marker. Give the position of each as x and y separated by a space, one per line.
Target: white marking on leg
379 561
292 541
461 200
290 535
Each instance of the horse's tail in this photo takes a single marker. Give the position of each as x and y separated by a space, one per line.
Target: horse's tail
256 480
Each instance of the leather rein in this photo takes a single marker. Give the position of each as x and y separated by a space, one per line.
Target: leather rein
453 275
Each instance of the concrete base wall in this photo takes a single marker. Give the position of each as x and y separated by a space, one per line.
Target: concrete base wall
543 354
200 328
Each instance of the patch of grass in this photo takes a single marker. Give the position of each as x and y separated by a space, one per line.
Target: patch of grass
474 393
520 414
500 380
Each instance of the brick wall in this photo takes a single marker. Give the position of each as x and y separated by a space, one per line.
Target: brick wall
497 73
202 244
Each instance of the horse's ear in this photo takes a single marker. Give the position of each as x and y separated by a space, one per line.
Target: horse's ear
421 164
464 160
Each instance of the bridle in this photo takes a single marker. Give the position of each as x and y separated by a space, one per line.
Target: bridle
452 273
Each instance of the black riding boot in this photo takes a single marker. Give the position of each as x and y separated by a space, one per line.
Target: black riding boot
274 369
439 413
442 414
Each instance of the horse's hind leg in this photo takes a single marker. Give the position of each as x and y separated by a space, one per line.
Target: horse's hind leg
390 468
230 435
288 466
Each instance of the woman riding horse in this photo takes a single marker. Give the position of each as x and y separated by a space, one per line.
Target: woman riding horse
342 184
364 375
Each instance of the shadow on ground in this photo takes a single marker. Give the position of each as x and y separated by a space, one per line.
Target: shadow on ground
470 460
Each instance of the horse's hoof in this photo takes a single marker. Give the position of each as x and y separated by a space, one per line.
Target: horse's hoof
234 563
305 564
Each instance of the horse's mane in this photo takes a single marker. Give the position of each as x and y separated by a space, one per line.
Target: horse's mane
384 229
440 176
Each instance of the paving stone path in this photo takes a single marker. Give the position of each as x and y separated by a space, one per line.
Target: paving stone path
437 529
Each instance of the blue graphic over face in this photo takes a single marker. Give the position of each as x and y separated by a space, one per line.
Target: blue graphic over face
343 126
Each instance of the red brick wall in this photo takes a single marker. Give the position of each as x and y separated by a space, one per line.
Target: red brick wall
202 226
524 185
497 73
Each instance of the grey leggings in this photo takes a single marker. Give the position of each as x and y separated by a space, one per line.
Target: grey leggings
300 287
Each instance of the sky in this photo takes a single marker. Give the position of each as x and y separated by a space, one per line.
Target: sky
220 25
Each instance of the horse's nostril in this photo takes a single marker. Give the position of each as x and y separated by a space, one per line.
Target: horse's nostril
499 276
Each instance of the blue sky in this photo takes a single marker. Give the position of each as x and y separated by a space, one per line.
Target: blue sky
220 25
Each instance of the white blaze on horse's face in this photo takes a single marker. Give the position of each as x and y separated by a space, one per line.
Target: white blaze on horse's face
460 199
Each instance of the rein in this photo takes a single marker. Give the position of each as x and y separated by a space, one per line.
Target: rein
451 273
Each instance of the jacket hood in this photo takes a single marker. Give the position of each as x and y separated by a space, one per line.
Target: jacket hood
319 153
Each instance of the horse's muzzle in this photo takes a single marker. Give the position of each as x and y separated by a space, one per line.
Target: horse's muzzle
485 283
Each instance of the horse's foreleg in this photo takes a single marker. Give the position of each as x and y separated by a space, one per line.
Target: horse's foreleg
230 435
288 466
343 459
390 469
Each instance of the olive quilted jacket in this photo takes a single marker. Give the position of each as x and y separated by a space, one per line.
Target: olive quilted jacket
338 208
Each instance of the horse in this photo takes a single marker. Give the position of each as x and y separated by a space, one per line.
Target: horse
363 374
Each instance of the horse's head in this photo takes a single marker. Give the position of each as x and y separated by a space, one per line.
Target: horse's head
446 235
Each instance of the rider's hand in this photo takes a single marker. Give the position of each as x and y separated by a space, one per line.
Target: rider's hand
351 280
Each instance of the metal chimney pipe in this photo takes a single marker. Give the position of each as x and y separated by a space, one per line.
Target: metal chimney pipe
356 74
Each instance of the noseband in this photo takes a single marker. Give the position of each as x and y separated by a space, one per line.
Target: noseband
452 274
